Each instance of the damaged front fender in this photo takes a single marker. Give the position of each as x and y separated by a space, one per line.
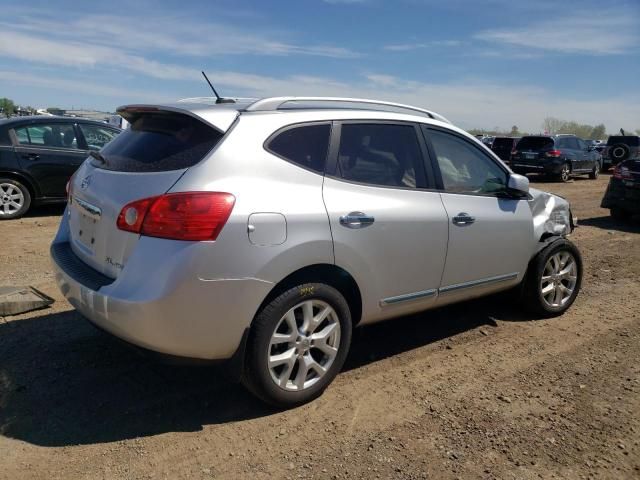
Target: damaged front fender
551 215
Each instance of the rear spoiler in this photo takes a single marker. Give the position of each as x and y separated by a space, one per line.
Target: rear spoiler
220 119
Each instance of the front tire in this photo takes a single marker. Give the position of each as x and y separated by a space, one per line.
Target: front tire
298 344
553 279
15 199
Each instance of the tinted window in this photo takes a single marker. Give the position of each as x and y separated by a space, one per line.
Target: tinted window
464 167
534 143
306 145
581 144
378 154
627 140
56 135
502 143
97 136
159 142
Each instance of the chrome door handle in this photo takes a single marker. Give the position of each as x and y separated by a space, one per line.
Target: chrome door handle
356 220
31 156
463 219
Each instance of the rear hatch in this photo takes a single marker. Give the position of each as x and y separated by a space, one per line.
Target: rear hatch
531 150
145 160
502 147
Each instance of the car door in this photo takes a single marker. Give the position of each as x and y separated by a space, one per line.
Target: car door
490 232
49 153
388 223
588 155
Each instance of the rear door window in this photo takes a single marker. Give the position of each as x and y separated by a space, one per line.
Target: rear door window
381 154
535 143
159 141
304 145
97 136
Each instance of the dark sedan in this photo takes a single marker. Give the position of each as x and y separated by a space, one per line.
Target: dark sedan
39 154
622 197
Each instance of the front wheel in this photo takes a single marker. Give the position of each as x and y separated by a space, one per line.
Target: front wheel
565 174
298 344
553 279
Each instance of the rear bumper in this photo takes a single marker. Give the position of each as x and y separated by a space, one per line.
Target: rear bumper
171 311
620 196
547 168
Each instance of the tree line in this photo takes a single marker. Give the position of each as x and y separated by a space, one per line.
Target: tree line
555 126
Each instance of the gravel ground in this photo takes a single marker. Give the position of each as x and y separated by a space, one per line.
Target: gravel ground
478 390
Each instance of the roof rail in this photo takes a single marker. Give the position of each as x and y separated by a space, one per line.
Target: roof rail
278 103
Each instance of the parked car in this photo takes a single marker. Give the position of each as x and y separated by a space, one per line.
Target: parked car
503 146
561 156
261 232
620 148
622 196
38 156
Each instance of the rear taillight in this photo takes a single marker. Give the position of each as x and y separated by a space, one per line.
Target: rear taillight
553 153
194 216
621 172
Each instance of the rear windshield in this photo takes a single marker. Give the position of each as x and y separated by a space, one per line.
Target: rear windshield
159 141
627 140
503 143
534 143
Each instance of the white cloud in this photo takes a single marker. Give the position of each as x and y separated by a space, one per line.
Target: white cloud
405 47
170 36
599 33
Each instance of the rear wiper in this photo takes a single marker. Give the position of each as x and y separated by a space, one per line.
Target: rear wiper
98 156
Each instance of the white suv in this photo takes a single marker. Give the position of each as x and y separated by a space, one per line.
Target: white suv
264 231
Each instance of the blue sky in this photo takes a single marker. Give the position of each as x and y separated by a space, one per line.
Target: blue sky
481 64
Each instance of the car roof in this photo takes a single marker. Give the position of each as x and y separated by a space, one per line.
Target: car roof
47 118
222 115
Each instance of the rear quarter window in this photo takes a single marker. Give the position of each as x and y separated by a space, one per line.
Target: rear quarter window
304 145
159 141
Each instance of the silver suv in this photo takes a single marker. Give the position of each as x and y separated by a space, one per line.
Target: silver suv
262 232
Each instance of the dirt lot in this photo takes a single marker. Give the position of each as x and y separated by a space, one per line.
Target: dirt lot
478 390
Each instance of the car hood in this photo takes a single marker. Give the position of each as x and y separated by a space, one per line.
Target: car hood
551 214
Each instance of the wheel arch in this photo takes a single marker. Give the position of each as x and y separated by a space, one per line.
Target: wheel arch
329 274
26 181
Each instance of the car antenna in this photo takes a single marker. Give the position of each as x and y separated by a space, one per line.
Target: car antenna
219 99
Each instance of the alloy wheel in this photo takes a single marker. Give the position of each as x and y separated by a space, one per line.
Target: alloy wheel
559 279
304 345
11 199
564 173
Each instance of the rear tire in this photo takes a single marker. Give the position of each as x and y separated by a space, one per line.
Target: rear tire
565 173
553 279
15 199
593 175
297 345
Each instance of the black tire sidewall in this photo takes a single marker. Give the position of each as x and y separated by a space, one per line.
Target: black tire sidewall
624 156
27 199
257 376
566 168
533 294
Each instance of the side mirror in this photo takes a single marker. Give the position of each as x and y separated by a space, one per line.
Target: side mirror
518 184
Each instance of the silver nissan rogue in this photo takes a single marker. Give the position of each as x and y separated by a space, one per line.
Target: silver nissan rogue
263 231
